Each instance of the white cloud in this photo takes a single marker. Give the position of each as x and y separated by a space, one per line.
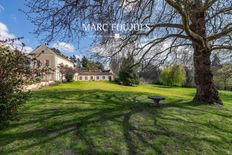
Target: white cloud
79 56
27 49
1 8
64 46
3 27
5 34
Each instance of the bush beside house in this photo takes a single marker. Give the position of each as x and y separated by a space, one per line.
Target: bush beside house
15 72
67 72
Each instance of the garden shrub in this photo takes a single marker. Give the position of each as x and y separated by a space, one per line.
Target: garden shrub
15 72
67 72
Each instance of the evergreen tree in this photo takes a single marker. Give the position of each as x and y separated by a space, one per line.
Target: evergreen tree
128 74
100 66
84 62
91 66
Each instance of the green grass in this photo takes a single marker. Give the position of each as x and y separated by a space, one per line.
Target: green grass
105 118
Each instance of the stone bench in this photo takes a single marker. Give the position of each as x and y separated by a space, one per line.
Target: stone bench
156 100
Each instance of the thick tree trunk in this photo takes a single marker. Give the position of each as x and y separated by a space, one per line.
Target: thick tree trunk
206 90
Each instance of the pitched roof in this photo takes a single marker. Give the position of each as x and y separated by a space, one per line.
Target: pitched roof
56 51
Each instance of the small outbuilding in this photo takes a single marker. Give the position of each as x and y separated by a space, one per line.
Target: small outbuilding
94 76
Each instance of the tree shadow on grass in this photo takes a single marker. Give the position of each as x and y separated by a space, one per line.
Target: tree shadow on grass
114 117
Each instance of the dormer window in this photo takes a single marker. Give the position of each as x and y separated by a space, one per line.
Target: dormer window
47 63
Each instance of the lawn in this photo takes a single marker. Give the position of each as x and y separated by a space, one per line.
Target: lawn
105 118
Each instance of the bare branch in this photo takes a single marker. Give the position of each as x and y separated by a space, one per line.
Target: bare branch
209 3
185 20
222 47
219 35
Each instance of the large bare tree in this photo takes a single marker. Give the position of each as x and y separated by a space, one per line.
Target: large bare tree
201 25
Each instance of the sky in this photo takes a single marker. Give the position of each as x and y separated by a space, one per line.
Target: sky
13 23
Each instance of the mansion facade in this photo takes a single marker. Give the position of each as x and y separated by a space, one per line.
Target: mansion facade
52 58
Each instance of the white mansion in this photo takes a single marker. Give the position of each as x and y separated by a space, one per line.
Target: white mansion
52 58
